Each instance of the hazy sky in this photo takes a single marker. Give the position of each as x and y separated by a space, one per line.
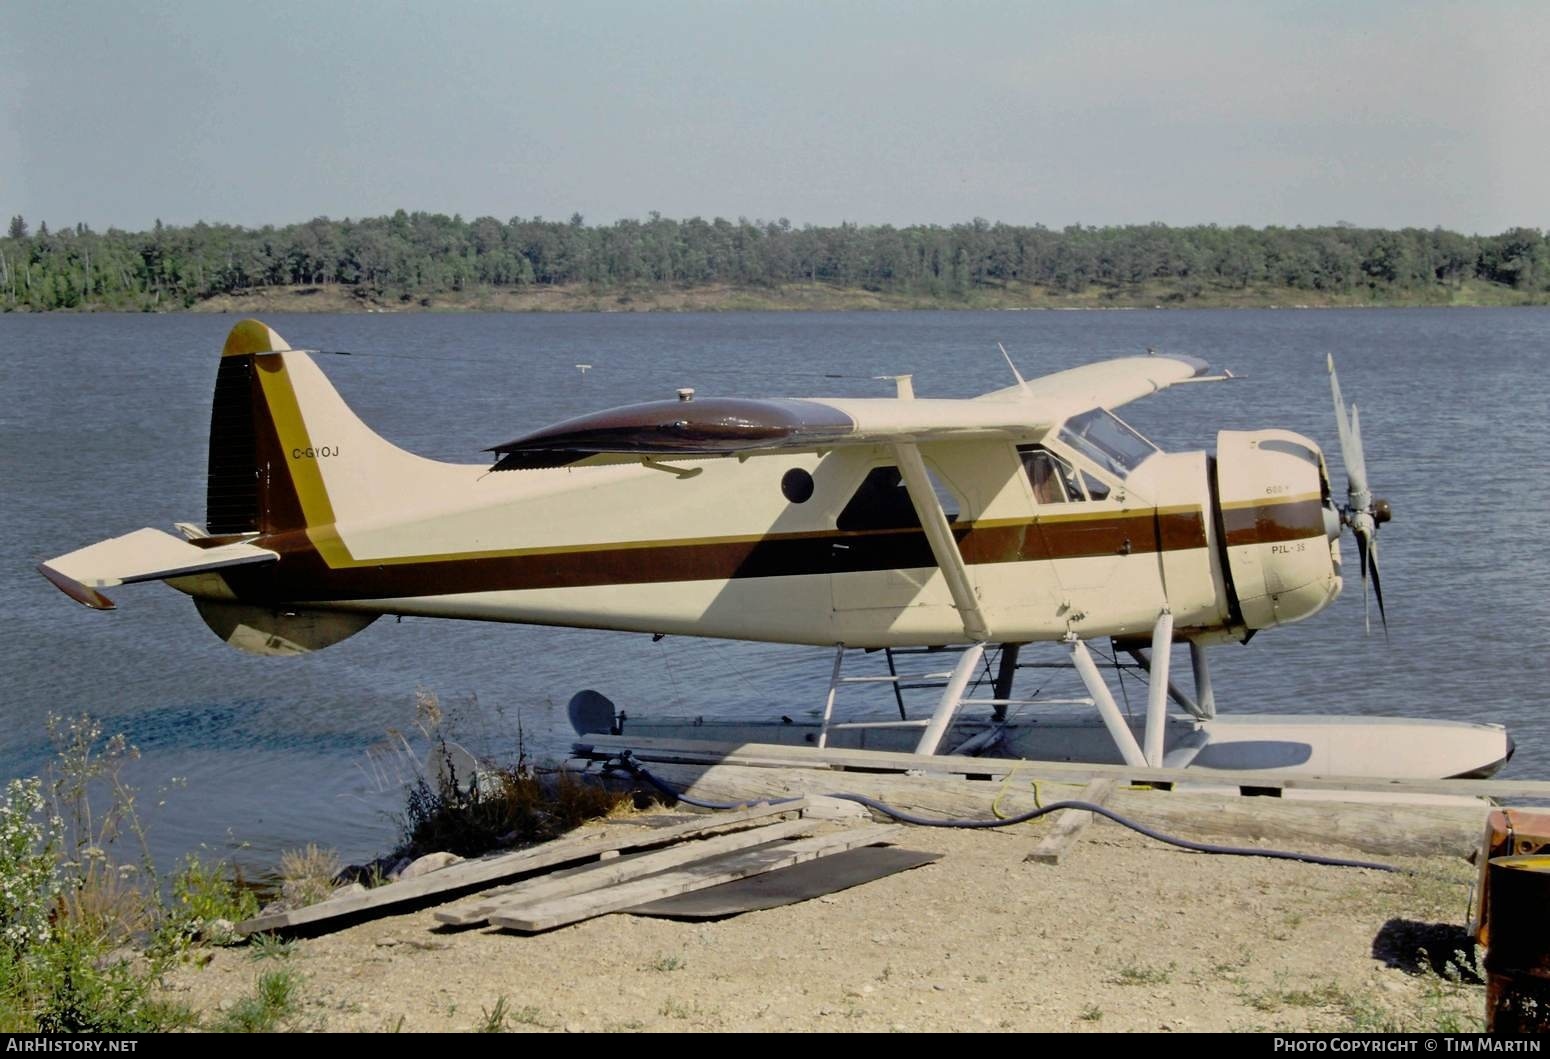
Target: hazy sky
1419 112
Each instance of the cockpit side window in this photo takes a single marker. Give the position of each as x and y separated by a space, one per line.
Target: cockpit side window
1054 481
1107 440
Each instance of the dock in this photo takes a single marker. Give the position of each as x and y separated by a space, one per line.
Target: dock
1371 815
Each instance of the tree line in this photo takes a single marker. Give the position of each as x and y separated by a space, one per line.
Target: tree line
416 255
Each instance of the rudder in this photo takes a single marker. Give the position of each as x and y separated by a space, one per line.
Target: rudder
232 490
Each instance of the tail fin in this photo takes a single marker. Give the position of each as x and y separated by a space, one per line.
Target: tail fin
286 452
286 456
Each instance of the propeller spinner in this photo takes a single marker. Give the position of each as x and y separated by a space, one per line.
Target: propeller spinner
1362 512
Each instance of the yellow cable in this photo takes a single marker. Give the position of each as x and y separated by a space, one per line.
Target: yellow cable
995 806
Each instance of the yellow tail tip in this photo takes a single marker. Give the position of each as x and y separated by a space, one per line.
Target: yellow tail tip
253 336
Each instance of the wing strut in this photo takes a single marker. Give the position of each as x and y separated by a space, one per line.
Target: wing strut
934 521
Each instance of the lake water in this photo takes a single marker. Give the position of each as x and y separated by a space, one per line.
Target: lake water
104 425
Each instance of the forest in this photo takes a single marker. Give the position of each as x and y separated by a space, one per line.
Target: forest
421 259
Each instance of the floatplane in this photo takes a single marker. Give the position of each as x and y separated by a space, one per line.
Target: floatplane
965 528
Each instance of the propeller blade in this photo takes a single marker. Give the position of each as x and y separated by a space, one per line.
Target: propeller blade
1350 439
1377 589
1356 465
1361 553
1362 514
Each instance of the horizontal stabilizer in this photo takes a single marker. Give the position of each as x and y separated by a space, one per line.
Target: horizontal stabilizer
144 555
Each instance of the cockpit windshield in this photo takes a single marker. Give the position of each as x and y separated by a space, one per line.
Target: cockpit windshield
1108 440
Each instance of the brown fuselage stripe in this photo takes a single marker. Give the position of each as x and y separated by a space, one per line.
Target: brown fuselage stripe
1272 523
302 574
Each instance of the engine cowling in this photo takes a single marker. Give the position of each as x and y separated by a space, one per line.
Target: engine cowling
1279 529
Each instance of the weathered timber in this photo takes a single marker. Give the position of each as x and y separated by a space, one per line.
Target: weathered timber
1070 824
546 915
669 751
1372 827
617 870
471 874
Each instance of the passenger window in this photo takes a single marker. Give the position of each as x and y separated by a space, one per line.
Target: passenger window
883 502
1096 490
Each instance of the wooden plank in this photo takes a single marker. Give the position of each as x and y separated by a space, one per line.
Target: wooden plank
485 870
690 752
611 872
1070 824
545 915
821 807
1383 828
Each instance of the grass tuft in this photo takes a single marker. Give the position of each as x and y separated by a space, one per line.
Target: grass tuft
495 1018
307 875
275 998
1139 975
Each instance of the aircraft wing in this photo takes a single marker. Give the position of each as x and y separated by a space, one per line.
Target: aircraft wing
144 555
746 426
1106 384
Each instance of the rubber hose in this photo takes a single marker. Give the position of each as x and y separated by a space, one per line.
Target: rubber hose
634 768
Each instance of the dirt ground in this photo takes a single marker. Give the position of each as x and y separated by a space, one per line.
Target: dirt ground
1123 935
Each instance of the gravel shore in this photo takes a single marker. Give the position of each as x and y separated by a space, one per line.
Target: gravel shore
1123 935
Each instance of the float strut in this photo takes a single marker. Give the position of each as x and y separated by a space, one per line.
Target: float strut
952 695
828 702
1119 731
1157 692
1006 674
1204 696
1176 693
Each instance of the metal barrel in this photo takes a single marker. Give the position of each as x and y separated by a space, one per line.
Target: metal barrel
1517 962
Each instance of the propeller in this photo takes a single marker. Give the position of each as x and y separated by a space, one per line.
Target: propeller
1362 512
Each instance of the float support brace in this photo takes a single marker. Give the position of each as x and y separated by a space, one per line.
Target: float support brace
1006 676
1179 696
1204 696
828 702
1119 731
947 705
1157 692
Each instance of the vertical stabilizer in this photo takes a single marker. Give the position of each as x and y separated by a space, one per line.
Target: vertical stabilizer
232 490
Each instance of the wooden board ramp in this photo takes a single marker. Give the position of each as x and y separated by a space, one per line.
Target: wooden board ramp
612 872
470 875
546 914
1070 824
769 755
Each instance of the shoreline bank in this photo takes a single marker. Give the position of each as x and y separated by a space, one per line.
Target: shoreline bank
808 297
